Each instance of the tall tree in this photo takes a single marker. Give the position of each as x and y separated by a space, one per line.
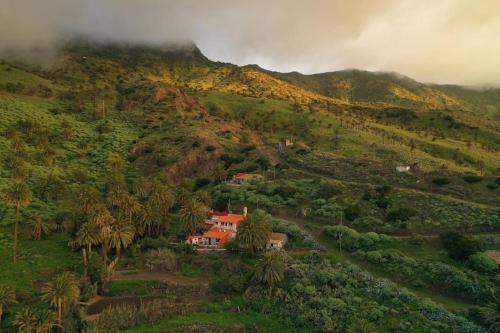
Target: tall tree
192 215
26 320
19 170
39 227
45 320
255 231
103 218
7 298
62 292
89 199
161 197
121 235
18 195
270 269
88 236
148 222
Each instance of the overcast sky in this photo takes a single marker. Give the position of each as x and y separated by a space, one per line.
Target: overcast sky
442 41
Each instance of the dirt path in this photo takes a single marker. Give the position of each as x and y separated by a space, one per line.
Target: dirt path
175 279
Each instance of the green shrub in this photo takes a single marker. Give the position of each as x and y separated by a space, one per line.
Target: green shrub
482 263
189 270
161 260
154 243
400 214
441 181
472 178
202 182
458 246
351 239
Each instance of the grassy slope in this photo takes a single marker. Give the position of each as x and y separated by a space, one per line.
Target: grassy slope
172 130
221 320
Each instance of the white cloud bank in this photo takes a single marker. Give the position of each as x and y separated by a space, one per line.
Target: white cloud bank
444 41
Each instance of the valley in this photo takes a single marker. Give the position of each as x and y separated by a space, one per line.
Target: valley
387 189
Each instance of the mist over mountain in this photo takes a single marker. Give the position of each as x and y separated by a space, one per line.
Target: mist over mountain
440 42
147 186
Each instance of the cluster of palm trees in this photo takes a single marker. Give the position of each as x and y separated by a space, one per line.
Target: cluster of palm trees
114 223
62 293
18 194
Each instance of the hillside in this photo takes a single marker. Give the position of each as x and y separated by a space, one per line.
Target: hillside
137 142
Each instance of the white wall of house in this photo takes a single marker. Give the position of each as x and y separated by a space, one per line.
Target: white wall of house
225 225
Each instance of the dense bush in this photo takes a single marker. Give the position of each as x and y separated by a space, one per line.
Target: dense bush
153 243
297 237
161 260
482 263
431 275
472 178
400 214
458 246
351 239
325 298
202 182
441 181
327 190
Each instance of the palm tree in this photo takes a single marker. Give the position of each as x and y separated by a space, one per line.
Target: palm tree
115 164
270 269
89 199
18 195
161 197
104 219
82 147
19 171
204 197
7 298
361 326
121 235
120 201
46 319
192 215
255 231
62 292
26 321
142 187
39 227
148 220
491 315
219 173
19 147
88 235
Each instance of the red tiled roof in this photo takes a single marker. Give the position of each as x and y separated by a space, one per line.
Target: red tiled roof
245 176
222 235
232 218
277 237
216 213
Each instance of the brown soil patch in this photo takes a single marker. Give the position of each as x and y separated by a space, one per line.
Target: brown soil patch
38 285
495 254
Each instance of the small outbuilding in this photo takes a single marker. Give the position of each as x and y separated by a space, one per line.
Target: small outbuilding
276 241
242 177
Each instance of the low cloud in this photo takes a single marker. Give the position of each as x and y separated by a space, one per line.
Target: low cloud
447 41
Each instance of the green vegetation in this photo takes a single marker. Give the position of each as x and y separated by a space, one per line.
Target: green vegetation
108 162
220 319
